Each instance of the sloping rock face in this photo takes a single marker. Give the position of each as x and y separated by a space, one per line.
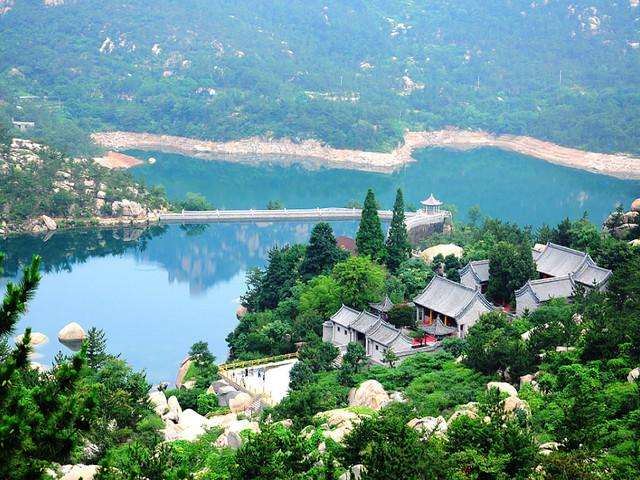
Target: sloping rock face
369 394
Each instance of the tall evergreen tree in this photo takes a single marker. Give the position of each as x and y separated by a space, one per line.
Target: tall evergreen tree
398 246
322 253
96 342
370 239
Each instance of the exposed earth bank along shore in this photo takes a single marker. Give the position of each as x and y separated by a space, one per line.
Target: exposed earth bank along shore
313 153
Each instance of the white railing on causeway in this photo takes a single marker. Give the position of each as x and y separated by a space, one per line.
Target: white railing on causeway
412 218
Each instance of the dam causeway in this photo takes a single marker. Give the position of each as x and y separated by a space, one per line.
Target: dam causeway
413 219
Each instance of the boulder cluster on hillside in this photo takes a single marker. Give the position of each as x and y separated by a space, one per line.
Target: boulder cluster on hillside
625 225
42 190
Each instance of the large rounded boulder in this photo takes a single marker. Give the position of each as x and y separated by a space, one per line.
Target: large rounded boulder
37 339
503 387
240 403
369 394
71 336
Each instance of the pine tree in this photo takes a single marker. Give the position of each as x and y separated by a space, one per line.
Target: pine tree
96 348
322 253
370 239
398 247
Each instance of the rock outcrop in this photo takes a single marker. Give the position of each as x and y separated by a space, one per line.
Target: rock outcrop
128 208
369 394
159 402
78 472
503 387
240 402
338 423
71 336
634 375
428 426
624 225
37 339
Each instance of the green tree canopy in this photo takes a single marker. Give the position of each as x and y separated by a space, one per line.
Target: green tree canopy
322 252
360 280
370 239
398 248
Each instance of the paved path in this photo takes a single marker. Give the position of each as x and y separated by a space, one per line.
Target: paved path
270 380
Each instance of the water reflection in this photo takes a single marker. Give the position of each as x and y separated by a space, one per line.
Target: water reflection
154 291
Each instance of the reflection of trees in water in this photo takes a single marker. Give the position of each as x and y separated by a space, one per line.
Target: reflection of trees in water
204 257
62 250
200 255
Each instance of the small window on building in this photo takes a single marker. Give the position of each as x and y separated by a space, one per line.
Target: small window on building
377 347
338 329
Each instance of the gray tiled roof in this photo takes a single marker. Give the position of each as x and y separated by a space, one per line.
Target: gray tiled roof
558 261
385 306
345 316
447 297
383 333
479 269
547 288
439 329
364 322
592 275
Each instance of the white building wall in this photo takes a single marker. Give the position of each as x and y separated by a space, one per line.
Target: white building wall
377 352
471 316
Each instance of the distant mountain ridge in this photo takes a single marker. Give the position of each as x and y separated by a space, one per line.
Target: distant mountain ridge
353 74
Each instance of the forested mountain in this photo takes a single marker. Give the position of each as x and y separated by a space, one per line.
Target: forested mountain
352 73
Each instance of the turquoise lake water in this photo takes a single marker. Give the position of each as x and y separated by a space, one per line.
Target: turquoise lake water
157 291
505 185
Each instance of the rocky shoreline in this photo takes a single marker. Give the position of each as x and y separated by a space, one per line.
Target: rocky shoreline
312 153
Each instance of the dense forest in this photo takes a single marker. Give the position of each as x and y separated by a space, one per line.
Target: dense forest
350 73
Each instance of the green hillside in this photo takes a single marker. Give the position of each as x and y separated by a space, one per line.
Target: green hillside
351 73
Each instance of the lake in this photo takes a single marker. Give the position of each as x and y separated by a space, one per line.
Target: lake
505 185
157 291
153 291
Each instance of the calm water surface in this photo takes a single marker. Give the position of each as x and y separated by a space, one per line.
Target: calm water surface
505 185
157 291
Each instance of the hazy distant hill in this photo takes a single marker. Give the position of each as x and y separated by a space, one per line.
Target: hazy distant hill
352 73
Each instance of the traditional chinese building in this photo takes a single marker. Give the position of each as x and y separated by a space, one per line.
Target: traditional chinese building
475 275
456 305
431 205
370 330
383 308
558 261
536 292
